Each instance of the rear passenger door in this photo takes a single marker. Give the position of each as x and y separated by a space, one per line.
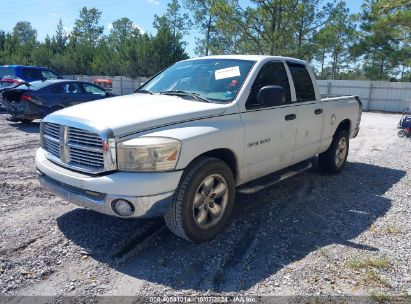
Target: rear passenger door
269 130
309 113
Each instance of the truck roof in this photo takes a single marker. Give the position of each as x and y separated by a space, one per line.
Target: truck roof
250 57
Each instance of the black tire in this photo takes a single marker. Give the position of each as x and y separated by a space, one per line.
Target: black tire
181 217
401 133
328 160
26 120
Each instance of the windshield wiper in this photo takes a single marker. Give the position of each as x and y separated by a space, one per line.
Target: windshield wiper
144 92
185 93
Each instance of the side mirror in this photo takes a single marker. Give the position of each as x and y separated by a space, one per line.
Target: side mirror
270 96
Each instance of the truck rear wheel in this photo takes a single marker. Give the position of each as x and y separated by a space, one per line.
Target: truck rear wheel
203 202
333 160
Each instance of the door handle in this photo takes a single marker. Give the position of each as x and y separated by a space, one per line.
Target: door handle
318 111
290 117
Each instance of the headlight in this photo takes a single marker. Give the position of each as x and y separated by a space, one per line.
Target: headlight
148 154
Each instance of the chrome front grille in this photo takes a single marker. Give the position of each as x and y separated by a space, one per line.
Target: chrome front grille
73 147
87 158
51 146
84 138
51 141
52 130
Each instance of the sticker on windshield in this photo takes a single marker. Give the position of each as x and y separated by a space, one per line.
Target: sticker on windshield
227 73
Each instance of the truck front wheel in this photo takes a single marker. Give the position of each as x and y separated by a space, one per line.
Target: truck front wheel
333 160
203 202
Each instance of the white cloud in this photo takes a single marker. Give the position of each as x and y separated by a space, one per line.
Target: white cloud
156 2
142 31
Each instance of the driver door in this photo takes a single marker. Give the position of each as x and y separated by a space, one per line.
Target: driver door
270 131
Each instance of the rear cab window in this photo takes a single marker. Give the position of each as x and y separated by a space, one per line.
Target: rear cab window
304 88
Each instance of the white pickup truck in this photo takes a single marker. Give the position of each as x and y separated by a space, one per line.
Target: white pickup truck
193 136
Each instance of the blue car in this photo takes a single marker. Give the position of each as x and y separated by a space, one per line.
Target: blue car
27 73
37 99
13 75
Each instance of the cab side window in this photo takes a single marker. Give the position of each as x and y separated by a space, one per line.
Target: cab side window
272 73
303 84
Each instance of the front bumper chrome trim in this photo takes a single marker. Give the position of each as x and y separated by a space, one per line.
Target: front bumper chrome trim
144 206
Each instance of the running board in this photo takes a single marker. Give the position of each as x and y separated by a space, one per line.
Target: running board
273 178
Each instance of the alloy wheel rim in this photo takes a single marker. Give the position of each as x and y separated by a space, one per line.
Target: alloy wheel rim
210 201
341 152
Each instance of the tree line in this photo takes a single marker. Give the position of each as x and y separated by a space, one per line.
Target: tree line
374 44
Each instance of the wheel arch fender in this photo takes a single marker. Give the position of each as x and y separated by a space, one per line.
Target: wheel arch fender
344 125
223 154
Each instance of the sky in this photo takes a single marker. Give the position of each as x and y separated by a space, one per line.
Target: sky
44 14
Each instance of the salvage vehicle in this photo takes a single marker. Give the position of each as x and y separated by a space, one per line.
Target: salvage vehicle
193 135
37 99
27 73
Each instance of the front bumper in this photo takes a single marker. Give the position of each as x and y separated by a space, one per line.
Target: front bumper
150 193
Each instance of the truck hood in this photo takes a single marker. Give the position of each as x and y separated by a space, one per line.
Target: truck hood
137 112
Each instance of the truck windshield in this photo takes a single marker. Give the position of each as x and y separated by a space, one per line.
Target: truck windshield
208 79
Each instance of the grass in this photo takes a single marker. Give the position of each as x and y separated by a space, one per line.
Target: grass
380 297
323 252
372 266
390 230
369 262
373 276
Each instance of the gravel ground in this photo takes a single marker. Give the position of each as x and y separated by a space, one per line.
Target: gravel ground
310 235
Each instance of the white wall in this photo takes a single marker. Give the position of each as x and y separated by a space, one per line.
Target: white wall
375 95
